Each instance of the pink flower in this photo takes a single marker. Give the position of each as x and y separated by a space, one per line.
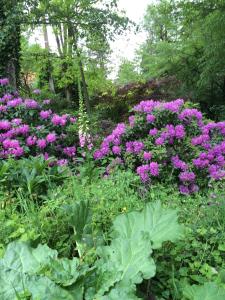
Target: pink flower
154 169
51 138
45 114
150 118
147 155
31 140
70 151
41 143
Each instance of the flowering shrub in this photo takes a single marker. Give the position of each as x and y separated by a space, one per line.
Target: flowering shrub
30 128
168 141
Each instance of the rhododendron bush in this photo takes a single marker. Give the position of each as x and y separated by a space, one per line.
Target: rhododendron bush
30 128
168 141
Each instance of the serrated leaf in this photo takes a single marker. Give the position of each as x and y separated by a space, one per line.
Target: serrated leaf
208 291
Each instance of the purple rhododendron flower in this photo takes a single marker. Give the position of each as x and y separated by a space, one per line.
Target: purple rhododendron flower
154 169
16 121
178 163
58 120
4 81
70 151
5 125
7 144
31 104
41 143
147 156
159 141
46 102
153 131
184 189
132 121
51 138
150 118
73 120
98 155
45 114
187 176
62 162
174 106
31 141
116 150
143 172
15 102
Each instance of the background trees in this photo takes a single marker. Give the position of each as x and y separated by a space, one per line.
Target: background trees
186 39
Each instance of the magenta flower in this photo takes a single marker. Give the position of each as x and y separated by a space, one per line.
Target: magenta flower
150 118
153 132
73 120
5 125
132 121
15 102
31 141
98 155
46 102
116 150
143 172
62 162
16 121
184 190
7 144
154 169
41 143
187 176
31 104
51 138
4 81
70 151
147 156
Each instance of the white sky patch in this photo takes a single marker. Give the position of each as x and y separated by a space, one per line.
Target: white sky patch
124 46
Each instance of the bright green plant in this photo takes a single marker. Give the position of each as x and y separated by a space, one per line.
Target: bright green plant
123 264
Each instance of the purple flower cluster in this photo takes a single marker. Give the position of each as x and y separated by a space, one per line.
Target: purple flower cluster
134 147
45 135
4 81
170 133
146 171
193 148
114 139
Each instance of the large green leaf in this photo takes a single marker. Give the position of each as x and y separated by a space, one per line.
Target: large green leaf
37 271
208 291
127 261
161 224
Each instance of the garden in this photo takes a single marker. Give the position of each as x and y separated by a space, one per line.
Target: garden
105 196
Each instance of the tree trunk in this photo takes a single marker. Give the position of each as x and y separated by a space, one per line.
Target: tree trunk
72 34
47 47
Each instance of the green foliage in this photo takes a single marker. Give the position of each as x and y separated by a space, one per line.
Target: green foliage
30 177
37 272
10 17
207 292
127 73
186 39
